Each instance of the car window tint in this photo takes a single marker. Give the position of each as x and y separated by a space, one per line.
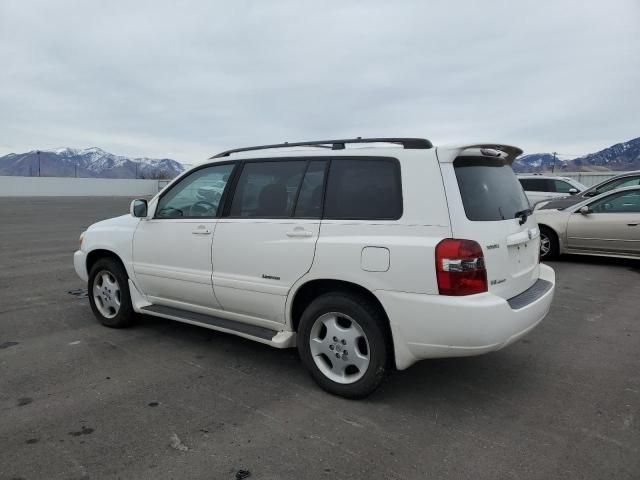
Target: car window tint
624 202
619 183
364 189
535 184
489 189
562 186
267 189
309 204
196 195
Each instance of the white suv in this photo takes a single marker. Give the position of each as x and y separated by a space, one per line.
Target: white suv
367 254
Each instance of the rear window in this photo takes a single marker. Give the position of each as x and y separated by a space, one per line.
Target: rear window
366 188
489 189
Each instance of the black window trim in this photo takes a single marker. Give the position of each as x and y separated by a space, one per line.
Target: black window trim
223 198
232 184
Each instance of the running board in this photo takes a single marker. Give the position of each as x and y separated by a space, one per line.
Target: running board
239 327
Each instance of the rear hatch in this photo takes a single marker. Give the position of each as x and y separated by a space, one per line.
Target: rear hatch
488 205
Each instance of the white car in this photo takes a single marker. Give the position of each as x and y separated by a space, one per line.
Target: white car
365 258
540 188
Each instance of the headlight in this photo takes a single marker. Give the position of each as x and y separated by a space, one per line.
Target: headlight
81 240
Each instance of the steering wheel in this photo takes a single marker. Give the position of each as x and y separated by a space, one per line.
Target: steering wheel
205 208
167 212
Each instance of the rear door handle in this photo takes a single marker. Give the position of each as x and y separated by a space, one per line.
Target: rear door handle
632 224
201 232
299 233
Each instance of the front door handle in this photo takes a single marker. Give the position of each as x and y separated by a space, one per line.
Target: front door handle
632 224
201 231
299 232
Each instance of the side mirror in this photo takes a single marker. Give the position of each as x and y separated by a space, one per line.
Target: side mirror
138 208
584 210
573 191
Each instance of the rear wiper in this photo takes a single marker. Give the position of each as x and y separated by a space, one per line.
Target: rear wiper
523 215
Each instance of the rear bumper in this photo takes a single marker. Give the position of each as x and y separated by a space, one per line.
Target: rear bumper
431 326
80 264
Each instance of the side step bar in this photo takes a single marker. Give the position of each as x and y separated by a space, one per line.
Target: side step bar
253 330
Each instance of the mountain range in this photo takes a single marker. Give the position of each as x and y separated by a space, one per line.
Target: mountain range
88 162
621 157
95 162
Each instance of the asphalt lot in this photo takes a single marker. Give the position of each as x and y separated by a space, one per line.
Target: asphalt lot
169 400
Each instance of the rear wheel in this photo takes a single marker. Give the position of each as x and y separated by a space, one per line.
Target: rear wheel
109 293
342 343
549 248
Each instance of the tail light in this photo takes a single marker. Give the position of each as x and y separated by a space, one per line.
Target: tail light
460 267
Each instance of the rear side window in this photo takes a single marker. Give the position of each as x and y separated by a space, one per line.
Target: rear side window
364 189
489 189
267 189
535 184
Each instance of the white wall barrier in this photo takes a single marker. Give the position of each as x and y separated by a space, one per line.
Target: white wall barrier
72 187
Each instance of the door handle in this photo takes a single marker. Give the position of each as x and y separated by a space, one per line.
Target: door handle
201 232
632 224
300 233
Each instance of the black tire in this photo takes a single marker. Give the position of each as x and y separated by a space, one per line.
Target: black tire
549 236
125 314
370 320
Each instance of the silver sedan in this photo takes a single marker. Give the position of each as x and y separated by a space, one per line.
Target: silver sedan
607 225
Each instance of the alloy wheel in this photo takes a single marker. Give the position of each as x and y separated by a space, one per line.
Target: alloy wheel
106 294
339 347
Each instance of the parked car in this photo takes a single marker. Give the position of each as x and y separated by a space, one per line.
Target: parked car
548 187
365 258
607 225
624 180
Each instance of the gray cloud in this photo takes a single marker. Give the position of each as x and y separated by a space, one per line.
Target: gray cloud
185 79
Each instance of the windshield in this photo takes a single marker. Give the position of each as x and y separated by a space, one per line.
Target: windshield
489 189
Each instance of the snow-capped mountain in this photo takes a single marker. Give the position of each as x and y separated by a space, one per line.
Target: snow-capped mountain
87 162
621 157
537 162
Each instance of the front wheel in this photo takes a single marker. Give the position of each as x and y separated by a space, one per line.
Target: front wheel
109 293
342 343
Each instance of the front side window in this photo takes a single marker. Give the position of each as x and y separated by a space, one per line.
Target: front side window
563 187
364 189
619 183
624 202
196 195
267 189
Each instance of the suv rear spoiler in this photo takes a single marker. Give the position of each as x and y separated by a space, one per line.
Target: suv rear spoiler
448 153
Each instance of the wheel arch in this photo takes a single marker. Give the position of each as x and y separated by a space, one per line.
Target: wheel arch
312 289
94 255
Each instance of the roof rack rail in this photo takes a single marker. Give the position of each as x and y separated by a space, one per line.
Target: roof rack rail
408 143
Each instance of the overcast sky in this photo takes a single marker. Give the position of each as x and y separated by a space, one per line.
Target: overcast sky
185 79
